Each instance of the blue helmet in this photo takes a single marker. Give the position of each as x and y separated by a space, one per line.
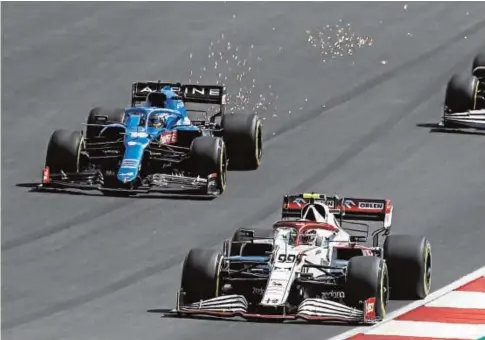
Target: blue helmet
157 120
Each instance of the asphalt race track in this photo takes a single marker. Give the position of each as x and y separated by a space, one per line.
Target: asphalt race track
345 117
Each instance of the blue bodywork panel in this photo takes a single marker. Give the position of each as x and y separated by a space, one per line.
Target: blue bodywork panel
262 259
139 133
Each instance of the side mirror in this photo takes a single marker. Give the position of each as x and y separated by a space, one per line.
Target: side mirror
356 239
246 233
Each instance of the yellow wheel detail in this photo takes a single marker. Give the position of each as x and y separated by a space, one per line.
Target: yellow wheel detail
78 158
219 265
475 96
257 149
383 295
222 166
426 280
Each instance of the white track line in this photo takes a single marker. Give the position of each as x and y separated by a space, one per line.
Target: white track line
430 330
433 296
458 299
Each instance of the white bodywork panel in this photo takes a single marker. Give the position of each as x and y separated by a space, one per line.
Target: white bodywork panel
471 119
289 258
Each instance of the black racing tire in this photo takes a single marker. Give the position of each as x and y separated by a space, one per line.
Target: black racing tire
200 275
242 134
64 151
461 93
478 67
367 277
239 236
410 266
208 155
104 116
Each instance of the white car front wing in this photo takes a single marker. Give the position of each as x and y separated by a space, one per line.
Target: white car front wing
310 310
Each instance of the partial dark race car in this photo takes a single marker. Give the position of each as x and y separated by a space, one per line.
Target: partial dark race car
465 98
313 264
153 146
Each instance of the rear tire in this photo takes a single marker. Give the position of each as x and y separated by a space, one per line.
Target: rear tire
104 116
200 275
242 134
410 263
478 68
461 93
367 277
64 151
208 155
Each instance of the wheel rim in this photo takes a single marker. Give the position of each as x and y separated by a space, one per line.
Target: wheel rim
218 283
259 142
427 270
384 290
475 95
78 159
223 167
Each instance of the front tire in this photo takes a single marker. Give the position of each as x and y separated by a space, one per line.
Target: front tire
200 275
64 151
461 93
409 260
208 155
367 277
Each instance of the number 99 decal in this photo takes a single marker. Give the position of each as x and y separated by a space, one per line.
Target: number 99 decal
287 258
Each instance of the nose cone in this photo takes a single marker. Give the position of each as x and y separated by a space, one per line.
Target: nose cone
126 175
130 165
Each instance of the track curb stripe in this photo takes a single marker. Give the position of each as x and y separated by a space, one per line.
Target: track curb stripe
477 285
446 315
454 312
387 337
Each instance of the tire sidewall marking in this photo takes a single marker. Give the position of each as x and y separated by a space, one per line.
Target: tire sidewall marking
257 148
427 254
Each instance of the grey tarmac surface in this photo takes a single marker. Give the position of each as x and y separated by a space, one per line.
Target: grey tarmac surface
90 267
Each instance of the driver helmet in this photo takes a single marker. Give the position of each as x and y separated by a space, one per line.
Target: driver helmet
289 235
157 120
308 237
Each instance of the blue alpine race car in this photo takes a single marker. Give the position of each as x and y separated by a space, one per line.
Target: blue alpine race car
153 145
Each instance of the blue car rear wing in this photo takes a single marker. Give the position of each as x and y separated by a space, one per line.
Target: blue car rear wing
202 94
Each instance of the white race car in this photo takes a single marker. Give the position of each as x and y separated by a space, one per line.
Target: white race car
308 266
465 98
